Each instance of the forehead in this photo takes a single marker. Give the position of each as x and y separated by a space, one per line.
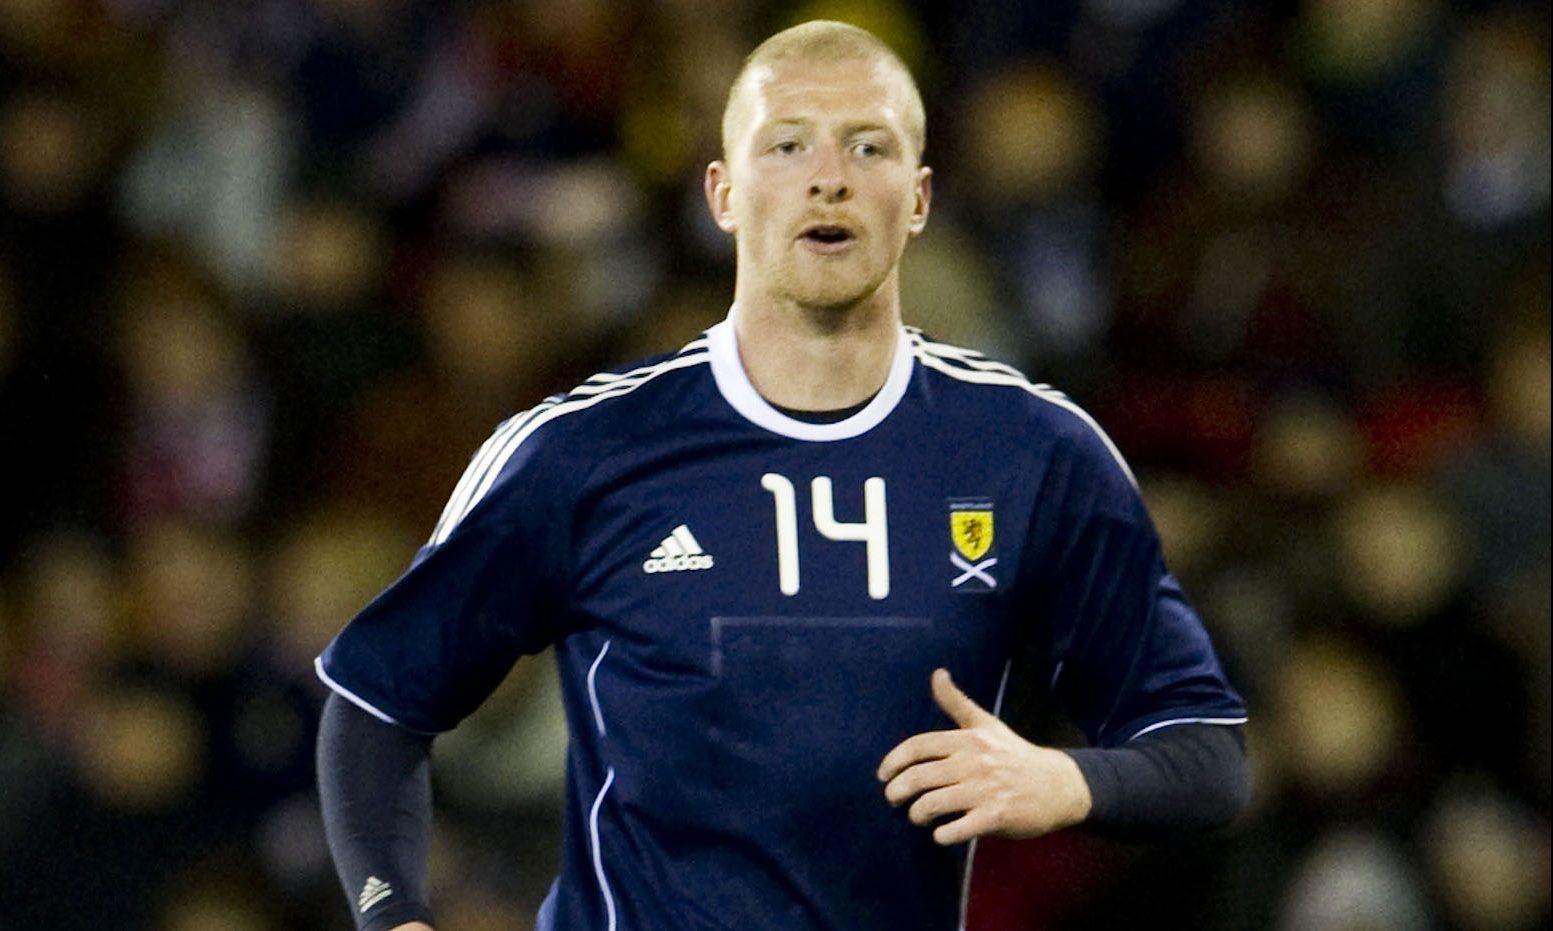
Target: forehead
855 90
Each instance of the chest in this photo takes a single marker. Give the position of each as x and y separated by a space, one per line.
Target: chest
673 546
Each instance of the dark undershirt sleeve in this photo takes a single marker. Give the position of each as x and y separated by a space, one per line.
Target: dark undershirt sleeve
1185 778
374 784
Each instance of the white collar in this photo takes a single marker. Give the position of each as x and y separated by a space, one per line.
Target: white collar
734 384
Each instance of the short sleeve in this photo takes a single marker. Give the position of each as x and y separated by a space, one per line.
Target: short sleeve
485 590
1130 654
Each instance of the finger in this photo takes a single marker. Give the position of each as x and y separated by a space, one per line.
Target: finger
922 777
949 800
956 703
972 824
919 748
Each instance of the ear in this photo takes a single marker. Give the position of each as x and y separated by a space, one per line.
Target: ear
719 196
924 197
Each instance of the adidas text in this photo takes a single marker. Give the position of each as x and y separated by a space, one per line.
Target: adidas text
677 563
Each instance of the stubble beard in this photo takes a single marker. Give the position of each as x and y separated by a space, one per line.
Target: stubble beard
809 284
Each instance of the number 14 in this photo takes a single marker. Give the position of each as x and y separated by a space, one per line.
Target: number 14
873 531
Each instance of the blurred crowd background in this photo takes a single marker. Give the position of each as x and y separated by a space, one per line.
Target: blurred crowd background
270 270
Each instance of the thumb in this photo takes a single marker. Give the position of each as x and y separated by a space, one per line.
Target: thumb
956 703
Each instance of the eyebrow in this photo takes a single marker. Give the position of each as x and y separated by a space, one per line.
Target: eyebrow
850 129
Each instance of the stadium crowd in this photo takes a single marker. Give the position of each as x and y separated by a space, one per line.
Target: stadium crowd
271 270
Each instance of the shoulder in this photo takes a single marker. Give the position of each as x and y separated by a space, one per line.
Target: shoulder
1007 397
551 445
593 411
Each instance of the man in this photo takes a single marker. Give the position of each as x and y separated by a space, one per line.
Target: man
784 571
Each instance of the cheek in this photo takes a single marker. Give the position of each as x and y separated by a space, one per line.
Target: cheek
754 211
896 216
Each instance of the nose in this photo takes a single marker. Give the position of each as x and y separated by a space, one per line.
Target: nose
829 182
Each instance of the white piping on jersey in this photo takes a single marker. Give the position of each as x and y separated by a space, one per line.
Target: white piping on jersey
997 704
593 694
969 357
939 361
475 472
499 449
734 384
598 859
1174 721
598 381
970 852
357 700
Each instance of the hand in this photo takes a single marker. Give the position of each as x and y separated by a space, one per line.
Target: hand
996 781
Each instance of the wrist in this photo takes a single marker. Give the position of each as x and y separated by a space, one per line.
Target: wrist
1081 799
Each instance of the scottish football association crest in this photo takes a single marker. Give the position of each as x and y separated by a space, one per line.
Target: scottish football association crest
971 533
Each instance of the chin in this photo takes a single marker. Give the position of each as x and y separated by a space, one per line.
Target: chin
832 294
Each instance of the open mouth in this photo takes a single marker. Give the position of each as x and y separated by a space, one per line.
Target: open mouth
827 238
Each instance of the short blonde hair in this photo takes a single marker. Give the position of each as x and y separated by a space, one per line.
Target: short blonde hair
824 41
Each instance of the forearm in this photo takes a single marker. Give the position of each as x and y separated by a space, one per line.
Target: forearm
374 786
1186 778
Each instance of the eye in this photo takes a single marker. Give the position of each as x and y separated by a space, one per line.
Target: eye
868 149
786 147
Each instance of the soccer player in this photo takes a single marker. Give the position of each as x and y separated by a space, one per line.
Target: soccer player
784 571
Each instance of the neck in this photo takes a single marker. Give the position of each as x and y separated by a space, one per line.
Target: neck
818 358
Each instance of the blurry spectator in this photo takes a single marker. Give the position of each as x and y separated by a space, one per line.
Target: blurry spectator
70 632
1478 213
681 313
141 750
128 815
322 570
1400 552
1212 273
192 601
1490 860
1191 520
584 216
196 415
1307 449
1030 139
1341 724
222 892
192 596
949 292
1374 65
351 75
672 123
212 175
1495 484
1355 880
328 335
51 150
496 345
1496 122
1499 494
1217 305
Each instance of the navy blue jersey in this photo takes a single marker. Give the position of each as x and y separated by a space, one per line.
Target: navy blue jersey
746 609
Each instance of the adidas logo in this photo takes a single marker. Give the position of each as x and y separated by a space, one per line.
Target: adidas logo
373 892
679 552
